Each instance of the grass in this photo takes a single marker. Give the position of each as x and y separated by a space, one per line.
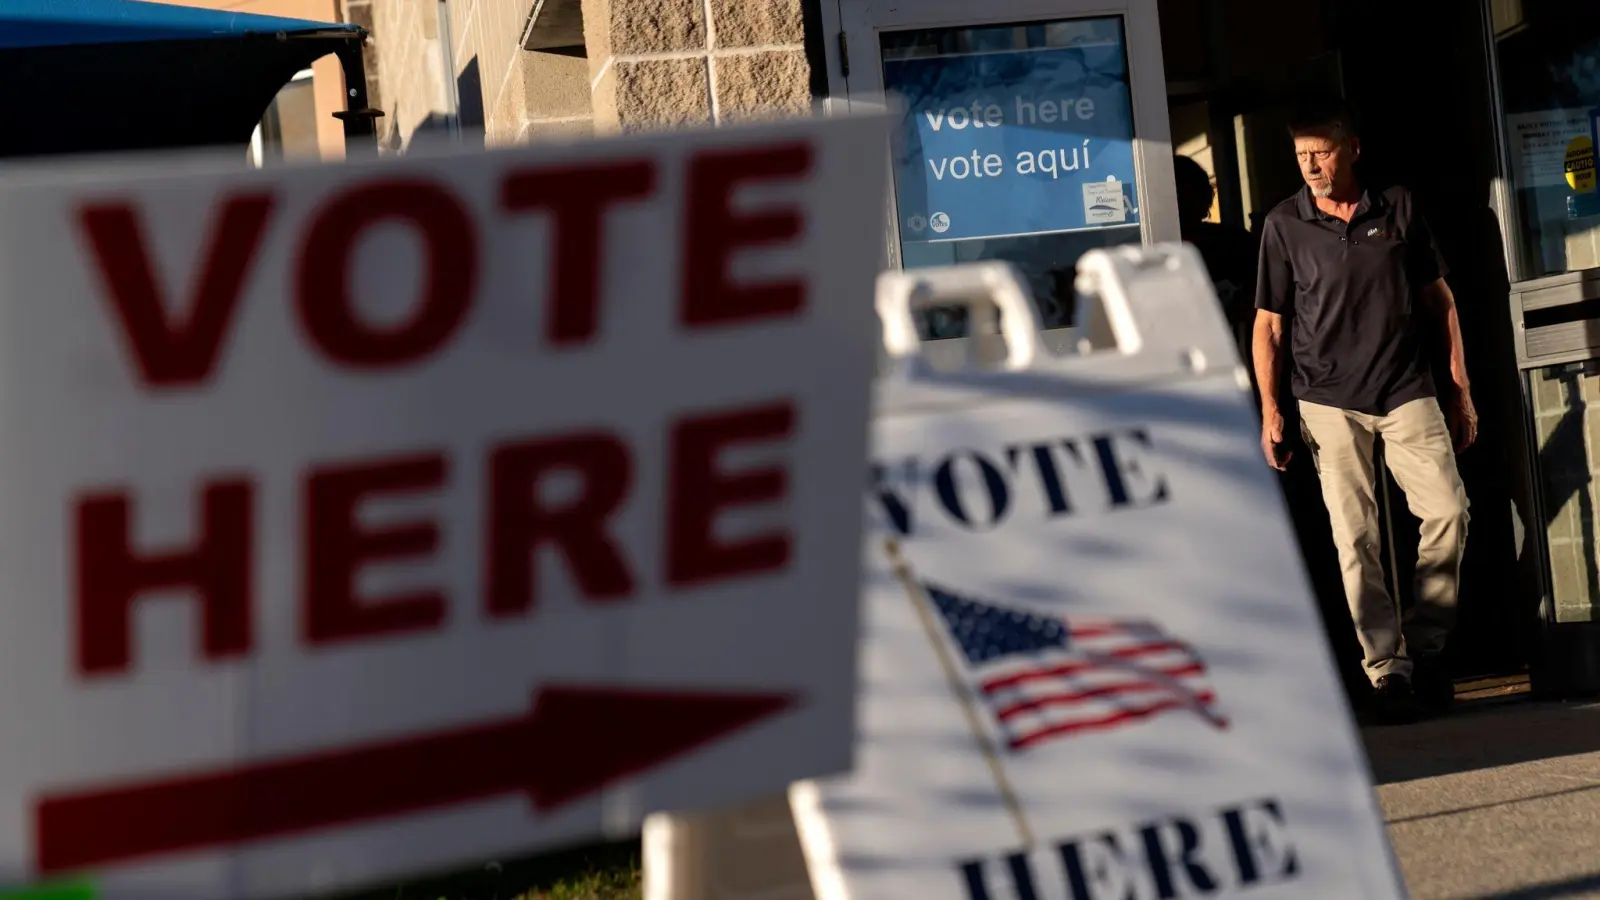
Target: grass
594 872
612 884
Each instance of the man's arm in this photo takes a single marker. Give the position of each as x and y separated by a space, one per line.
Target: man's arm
1463 417
1275 293
1267 347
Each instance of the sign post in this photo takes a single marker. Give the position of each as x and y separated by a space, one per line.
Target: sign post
363 520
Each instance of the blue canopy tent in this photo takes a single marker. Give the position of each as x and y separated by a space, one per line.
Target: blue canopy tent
84 76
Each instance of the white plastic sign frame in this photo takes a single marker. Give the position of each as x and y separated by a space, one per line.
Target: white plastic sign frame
1092 667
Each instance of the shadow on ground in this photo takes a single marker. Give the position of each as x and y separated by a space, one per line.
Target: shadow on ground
1586 886
1481 737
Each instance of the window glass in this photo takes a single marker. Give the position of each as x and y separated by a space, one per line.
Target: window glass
1549 56
1015 143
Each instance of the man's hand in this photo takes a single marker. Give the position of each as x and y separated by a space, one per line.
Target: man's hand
1272 446
1463 419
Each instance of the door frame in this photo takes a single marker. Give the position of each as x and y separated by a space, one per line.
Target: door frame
855 83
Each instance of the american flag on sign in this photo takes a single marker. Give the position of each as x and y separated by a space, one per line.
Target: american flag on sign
1046 678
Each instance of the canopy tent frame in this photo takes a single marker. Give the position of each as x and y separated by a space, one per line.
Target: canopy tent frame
127 75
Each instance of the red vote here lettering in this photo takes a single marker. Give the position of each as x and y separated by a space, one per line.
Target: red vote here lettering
176 338
171 347
715 230
325 295
520 522
337 547
577 199
113 575
340 540
701 489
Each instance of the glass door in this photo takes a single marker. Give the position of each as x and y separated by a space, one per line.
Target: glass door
1029 131
1547 53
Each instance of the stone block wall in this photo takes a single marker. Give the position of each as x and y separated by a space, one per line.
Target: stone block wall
545 95
645 64
1566 408
663 63
504 93
403 61
522 93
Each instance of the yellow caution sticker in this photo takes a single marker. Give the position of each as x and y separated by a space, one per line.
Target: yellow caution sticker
1580 165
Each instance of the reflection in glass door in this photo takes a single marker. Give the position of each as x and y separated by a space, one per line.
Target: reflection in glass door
1548 53
1014 142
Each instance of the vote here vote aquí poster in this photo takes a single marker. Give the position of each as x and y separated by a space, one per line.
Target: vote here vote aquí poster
1031 138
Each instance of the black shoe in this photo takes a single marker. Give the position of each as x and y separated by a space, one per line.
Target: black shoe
1394 703
1435 689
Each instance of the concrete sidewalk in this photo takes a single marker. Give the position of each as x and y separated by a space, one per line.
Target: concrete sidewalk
1500 799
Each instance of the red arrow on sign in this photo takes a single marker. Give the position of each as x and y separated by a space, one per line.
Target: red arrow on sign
573 742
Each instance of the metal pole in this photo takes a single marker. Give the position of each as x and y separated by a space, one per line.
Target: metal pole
923 606
447 64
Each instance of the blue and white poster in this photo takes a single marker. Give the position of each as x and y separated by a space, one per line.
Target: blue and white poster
1015 142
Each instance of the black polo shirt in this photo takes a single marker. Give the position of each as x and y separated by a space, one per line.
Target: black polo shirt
1353 291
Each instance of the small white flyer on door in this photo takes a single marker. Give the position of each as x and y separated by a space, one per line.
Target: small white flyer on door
1103 202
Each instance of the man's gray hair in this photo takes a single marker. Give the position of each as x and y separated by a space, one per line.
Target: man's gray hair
1324 114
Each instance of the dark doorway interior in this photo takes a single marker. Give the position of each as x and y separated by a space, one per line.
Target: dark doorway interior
1418 75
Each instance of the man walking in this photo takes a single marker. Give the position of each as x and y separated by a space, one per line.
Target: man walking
1358 272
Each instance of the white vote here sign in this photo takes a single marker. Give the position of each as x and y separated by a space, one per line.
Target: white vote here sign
366 519
1092 668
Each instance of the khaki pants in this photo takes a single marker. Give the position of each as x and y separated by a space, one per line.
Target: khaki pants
1419 451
